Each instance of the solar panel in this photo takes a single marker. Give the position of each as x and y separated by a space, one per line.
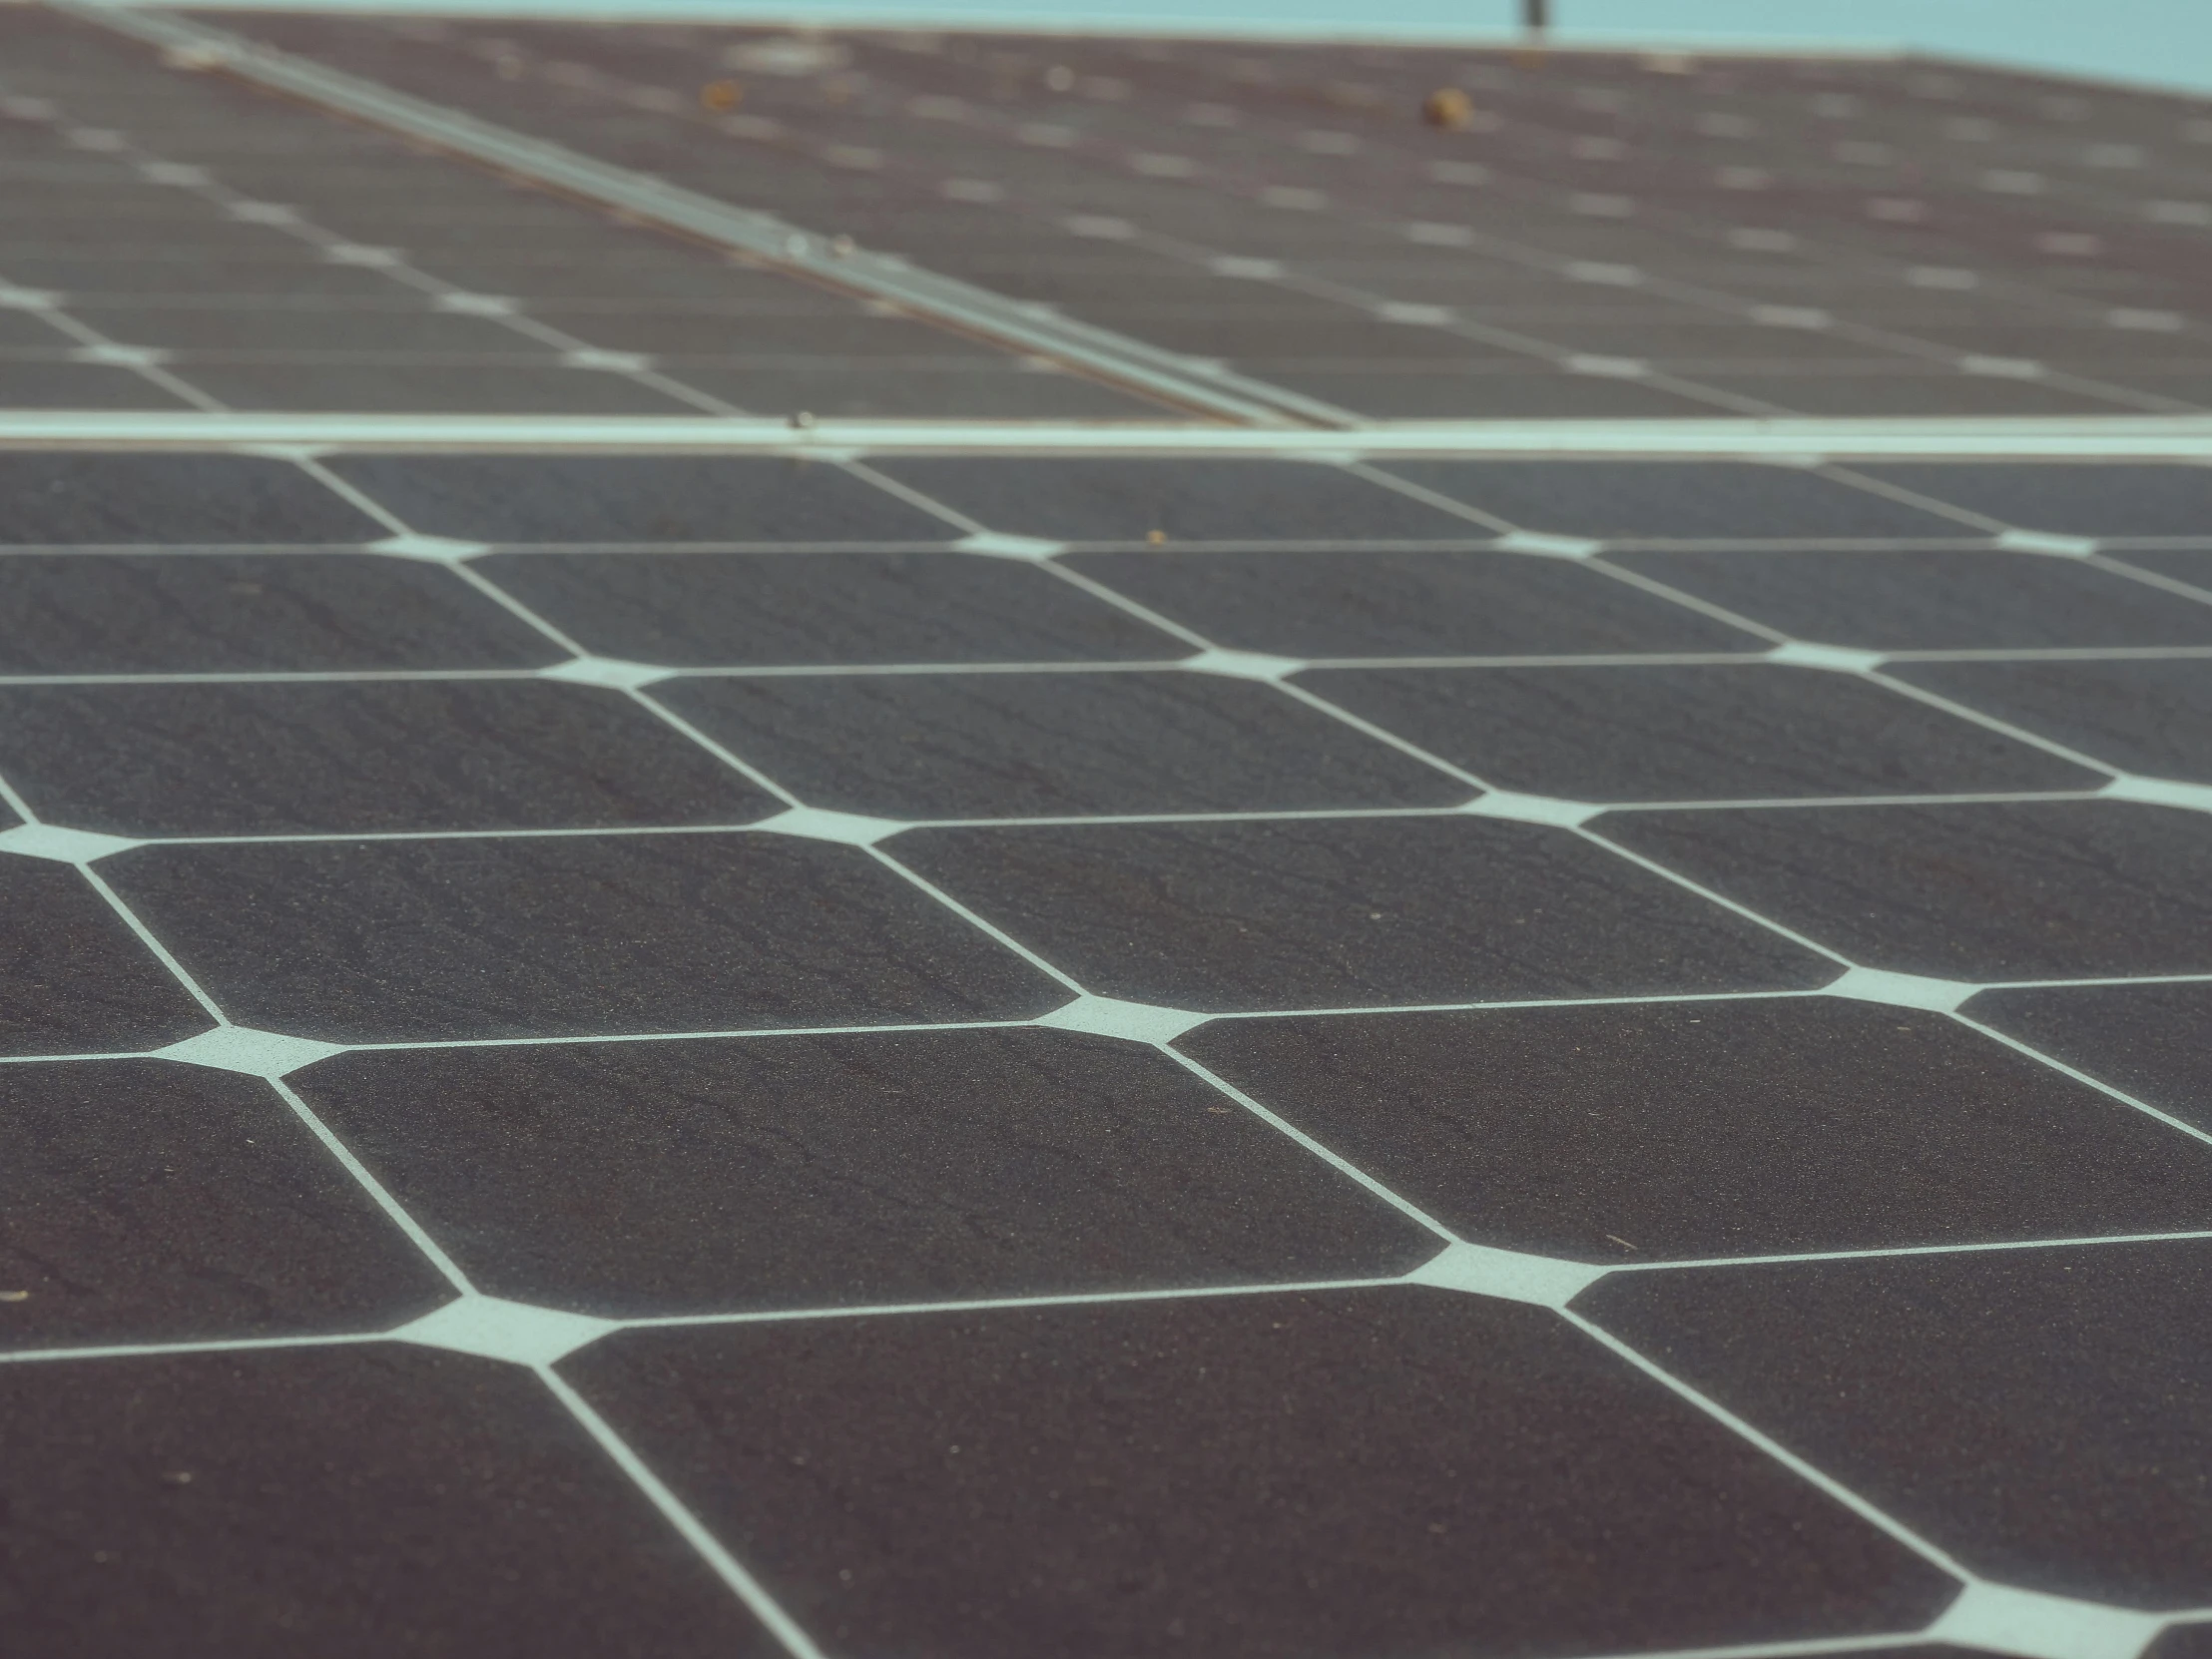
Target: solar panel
847 843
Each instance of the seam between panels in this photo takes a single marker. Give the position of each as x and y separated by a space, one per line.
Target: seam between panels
204 182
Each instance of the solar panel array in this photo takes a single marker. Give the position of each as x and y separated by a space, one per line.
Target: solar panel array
923 1048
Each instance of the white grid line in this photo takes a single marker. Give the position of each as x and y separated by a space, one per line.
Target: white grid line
780 1626
1319 1012
1743 1430
1164 665
818 1312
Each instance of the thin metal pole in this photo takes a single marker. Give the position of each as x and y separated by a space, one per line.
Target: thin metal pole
1537 15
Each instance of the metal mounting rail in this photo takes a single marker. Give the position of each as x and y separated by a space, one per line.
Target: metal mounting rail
1167 377
1803 441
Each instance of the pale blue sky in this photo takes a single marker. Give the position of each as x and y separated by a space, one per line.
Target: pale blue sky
2154 42
2165 42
